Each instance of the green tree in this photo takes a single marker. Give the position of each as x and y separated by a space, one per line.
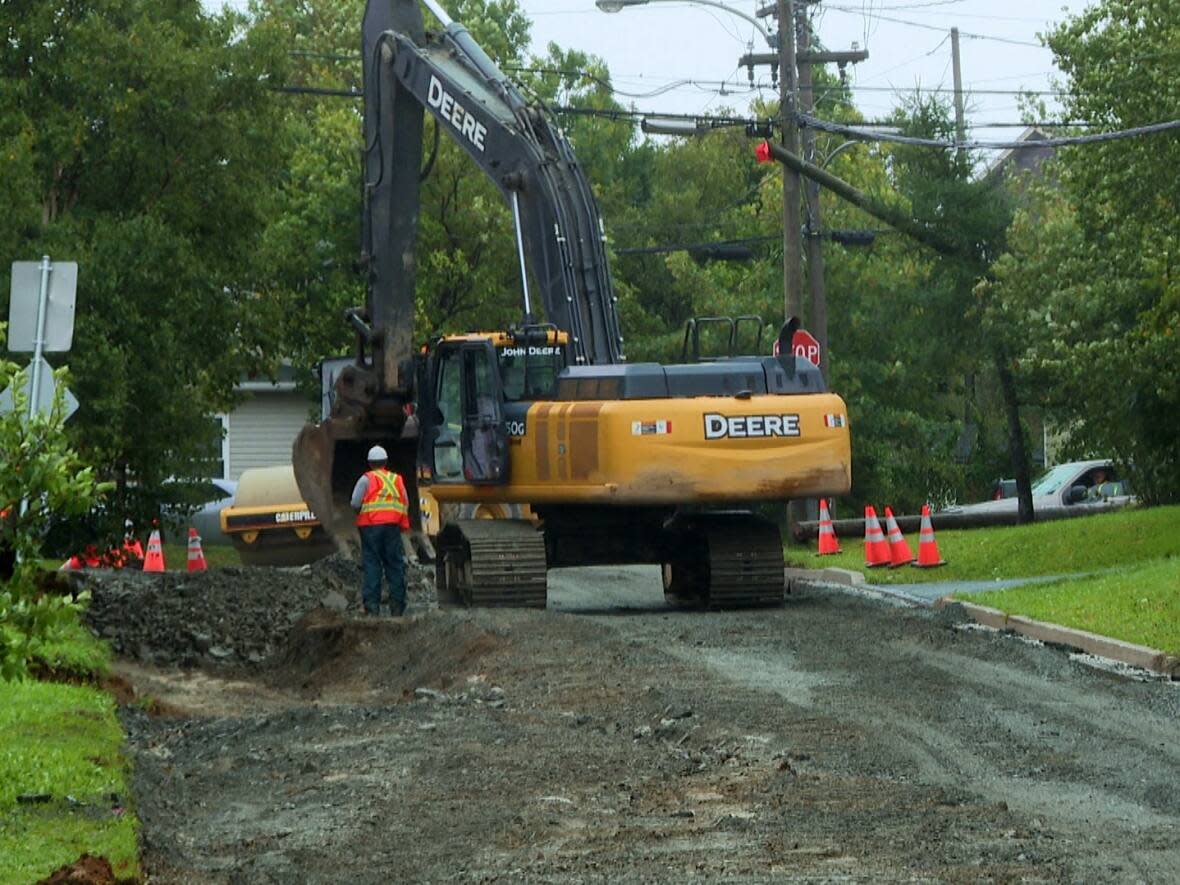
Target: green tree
467 276
140 139
1118 309
904 336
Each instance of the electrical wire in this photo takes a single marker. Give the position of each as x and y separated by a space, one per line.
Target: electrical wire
967 35
893 6
761 84
969 91
606 84
910 61
958 14
326 56
717 121
1063 141
633 116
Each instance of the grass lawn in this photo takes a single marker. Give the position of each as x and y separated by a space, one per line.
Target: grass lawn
216 555
63 741
1085 544
176 557
1139 604
76 653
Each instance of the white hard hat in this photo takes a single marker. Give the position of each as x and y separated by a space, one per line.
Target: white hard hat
377 453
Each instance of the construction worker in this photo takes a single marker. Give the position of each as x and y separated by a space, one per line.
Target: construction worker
383 513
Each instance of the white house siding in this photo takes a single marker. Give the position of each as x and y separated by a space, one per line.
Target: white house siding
263 428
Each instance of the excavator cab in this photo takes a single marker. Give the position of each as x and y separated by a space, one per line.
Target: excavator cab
462 434
721 337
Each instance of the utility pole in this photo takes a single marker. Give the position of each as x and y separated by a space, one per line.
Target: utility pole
960 124
792 234
818 321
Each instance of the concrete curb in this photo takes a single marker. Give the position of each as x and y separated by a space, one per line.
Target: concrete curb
826 576
1102 646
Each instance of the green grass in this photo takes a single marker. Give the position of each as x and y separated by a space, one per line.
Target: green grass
63 740
1085 544
1139 604
216 556
176 557
76 652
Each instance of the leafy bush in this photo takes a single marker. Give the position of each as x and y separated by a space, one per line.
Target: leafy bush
40 478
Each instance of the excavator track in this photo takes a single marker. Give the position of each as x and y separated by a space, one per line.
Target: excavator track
723 561
486 563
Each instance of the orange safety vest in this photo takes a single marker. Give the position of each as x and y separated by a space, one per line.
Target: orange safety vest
385 500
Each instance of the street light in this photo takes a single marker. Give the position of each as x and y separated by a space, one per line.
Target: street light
620 5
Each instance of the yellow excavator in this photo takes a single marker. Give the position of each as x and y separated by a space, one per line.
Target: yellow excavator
619 462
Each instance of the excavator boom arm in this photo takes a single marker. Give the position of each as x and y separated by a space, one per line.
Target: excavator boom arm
512 140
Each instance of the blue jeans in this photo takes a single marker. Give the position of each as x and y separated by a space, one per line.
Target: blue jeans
381 551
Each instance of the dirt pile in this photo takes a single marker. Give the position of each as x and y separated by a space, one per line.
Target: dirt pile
226 616
86 870
365 659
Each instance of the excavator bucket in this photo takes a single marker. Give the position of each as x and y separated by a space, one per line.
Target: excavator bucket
313 457
331 456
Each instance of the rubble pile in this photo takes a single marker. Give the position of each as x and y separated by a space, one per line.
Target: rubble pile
226 616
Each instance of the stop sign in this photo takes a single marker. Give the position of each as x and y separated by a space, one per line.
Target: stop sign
804 344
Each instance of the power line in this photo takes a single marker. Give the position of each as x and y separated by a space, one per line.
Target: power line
729 86
614 90
715 121
909 61
326 56
970 91
633 116
965 34
321 90
958 14
1064 141
923 5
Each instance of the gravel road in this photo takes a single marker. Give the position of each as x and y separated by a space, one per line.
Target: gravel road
839 738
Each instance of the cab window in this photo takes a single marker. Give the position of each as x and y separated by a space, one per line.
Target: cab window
530 372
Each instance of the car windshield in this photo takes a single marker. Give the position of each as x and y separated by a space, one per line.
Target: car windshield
1052 481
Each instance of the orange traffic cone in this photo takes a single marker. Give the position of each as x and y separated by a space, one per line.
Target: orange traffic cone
196 558
876 547
827 533
73 564
927 547
899 550
154 561
131 546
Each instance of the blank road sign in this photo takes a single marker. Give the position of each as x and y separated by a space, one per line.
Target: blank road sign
59 314
46 387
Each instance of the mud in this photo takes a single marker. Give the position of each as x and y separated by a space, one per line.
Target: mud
609 739
86 870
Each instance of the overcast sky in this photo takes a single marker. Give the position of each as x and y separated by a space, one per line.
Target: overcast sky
652 47
676 57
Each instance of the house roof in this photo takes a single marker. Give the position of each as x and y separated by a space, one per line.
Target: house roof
1021 159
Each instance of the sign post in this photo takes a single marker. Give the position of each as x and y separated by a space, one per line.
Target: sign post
41 319
39 341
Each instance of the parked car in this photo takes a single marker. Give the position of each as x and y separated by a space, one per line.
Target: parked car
212 495
1073 486
1003 488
